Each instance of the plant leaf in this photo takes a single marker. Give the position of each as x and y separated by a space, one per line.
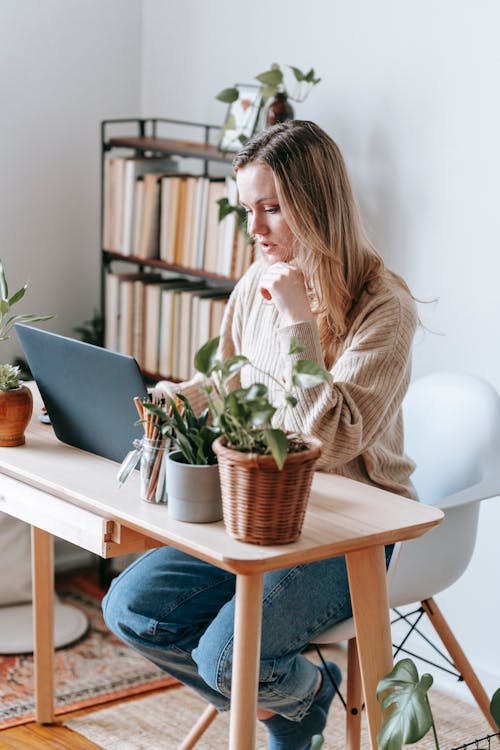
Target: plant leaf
205 358
278 445
299 75
495 707
410 717
295 346
233 364
306 374
18 295
229 95
4 289
272 77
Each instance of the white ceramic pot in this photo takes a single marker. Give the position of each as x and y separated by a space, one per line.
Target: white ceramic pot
193 491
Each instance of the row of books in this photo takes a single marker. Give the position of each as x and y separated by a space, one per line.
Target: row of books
153 211
162 323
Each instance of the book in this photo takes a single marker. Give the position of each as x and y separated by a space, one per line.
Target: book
203 326
153 321
201 222
180 221
229 229
138 216
136 166
212 233
168 217
150 228
189 219
183 332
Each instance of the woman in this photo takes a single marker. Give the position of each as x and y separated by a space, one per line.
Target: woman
320 280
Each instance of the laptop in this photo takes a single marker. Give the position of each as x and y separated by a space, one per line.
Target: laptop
88 391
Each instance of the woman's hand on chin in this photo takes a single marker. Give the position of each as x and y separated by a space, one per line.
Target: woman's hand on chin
286 287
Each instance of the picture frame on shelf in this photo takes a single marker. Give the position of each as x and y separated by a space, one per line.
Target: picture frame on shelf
241 118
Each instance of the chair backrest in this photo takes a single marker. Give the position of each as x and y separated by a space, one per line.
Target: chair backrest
452 423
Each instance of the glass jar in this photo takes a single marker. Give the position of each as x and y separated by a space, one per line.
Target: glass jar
153 470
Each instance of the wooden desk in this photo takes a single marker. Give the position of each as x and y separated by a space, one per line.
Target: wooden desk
72 494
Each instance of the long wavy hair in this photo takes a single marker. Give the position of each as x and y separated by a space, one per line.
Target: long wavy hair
318 204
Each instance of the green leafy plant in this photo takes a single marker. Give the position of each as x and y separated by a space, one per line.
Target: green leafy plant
226 208
189 433
272 82
92 331
244 416
11 377
404 700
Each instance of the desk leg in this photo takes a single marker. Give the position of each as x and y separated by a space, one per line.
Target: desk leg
367 581
42 555
246 657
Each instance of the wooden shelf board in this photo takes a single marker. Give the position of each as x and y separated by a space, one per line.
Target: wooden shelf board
172 146
158 263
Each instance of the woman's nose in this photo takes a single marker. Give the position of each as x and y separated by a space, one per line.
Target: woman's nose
258 224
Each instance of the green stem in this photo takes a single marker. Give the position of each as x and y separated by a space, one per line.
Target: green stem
436 741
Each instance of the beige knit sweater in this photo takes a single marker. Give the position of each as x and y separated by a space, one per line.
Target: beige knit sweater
357 416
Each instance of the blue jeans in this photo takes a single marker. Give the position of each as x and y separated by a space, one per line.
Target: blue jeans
178 612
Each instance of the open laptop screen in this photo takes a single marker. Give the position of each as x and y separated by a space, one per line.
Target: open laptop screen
88 391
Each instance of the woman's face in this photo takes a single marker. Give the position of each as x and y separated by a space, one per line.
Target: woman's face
257 194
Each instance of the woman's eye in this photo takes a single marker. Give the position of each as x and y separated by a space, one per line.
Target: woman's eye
271 210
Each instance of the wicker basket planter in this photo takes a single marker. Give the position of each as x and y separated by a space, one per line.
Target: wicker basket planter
260 503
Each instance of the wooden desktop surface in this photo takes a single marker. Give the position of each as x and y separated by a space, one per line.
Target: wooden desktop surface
342 514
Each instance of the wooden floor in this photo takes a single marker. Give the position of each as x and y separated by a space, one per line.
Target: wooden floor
56 736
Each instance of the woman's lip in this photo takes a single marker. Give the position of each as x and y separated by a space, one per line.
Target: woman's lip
267 245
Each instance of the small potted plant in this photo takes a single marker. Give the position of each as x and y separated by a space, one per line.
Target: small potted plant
272 86
192 476
16 402
407 712
265 472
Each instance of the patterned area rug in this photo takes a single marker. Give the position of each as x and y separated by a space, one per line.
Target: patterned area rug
160 721
95 669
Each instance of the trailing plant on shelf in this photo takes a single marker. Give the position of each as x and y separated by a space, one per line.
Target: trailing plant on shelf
272 84
10 375
244 416
404 700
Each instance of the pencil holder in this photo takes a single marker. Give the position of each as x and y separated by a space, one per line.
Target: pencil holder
153 470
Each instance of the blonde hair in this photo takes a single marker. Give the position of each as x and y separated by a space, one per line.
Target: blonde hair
318 204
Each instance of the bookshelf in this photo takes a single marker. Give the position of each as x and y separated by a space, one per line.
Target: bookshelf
165 257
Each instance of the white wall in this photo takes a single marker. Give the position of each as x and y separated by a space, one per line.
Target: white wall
409 91
64 66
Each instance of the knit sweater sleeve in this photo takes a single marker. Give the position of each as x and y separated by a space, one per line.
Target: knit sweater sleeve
350 413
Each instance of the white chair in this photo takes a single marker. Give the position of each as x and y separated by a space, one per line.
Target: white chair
452 428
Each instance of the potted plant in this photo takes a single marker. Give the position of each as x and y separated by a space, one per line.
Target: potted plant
272 86
407 711
265 473
192 476
16 402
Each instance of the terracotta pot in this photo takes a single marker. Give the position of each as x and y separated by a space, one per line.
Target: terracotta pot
16 408
260 503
